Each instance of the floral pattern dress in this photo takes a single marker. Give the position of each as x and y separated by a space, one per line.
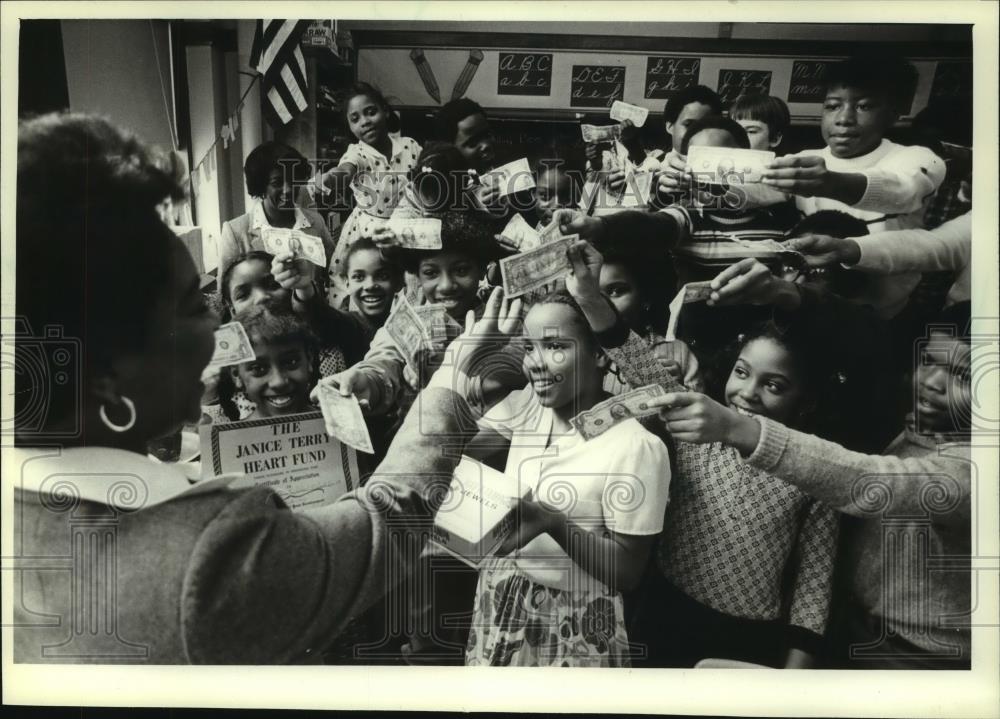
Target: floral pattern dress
518 622
537 607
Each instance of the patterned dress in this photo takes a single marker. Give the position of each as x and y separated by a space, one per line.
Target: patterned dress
377 188
738 540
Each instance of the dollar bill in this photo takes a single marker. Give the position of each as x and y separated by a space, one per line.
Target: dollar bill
438 325
622 111
510 178
530 270
549 233
600 133
691 292
420 233
343 419
732 165
280 240
232 346
406 329
520 235
602 417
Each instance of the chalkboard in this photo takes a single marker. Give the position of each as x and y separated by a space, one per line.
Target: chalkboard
596 85
807 84
524 74
733 83
952 81
666 76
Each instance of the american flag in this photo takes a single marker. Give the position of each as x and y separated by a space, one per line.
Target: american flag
277 56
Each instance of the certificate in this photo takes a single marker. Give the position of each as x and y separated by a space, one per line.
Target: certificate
293 455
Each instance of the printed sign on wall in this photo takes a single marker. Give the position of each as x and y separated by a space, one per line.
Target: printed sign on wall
808 81
666 76
596 85
524 74
734 83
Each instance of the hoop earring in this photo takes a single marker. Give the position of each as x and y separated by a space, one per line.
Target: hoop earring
123 427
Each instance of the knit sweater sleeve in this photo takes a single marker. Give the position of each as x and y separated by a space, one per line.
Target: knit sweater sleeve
863 485
812 576
947 247
902 182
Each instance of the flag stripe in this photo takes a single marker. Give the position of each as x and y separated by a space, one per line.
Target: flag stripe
278 56
274 96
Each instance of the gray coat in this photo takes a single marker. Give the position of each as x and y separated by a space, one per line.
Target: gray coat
136 566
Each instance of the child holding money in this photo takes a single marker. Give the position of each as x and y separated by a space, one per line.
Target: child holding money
552 594
278 381
375 169
711 595
907 505
859 171
639 280
683 108
449 278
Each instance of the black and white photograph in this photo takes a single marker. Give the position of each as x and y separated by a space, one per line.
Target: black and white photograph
537 357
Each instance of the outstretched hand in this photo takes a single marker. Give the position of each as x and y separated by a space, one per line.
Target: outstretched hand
584 282
751 282
500 321
697 418
575 222
291 272
824 250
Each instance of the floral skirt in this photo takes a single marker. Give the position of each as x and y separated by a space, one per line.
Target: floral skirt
518 622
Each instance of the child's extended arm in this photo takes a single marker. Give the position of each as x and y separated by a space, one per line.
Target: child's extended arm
337 180
849 482
899 184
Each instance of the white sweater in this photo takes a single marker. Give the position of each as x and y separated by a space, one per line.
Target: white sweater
901 180
948 247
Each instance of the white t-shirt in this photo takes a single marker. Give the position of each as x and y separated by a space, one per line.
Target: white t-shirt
620 479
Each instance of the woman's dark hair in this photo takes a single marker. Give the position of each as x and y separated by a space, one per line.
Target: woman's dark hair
258 255
881 72
698 93
451 114
716 122
364 88
465 231
268 156
269 325
653 270
438 176
93 257
367 243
